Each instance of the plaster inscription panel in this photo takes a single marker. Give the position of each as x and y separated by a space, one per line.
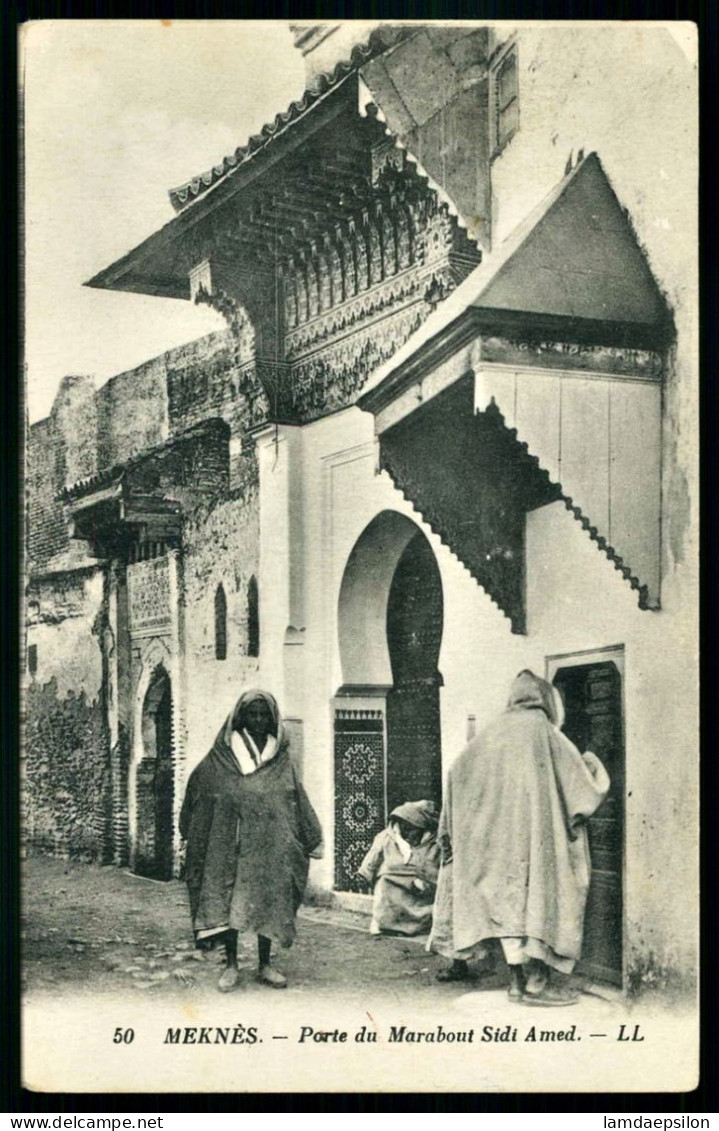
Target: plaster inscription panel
149 597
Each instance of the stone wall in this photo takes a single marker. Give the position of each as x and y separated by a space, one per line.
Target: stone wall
195 465
74 413
196 385
67 778
90 431
132 412
221 547
46 528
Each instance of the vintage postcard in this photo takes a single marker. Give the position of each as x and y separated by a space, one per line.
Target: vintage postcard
361 562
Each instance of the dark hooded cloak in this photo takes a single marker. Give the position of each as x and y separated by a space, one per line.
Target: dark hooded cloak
249 837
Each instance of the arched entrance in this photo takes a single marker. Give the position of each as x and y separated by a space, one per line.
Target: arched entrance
387 718
154 783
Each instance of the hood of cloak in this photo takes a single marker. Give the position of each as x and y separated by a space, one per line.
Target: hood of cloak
235 720
530 692
513 823
421 814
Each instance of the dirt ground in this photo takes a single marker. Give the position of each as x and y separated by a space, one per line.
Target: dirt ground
91 930
99 941
100 929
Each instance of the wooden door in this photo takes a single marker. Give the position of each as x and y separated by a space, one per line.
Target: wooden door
154 785
163 787
592 696
414 634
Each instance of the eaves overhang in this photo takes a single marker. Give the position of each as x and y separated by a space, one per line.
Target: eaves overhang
161 264
573 271
475 323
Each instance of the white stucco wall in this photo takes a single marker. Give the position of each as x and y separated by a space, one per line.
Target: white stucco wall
630 93
629 96
576 601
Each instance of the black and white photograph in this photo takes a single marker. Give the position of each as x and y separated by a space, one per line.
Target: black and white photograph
361 556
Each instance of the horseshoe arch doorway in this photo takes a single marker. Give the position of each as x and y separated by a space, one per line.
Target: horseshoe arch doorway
154 783
387 712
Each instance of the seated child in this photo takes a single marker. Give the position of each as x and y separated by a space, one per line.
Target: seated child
402 867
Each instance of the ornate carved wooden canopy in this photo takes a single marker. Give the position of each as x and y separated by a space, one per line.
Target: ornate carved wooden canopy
330 244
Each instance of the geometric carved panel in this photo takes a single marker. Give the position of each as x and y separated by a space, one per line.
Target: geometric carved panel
149 597
359 791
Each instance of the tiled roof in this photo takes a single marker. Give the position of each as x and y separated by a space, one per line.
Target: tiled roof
186 194
112 476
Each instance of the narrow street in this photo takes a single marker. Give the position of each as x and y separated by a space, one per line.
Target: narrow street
115 997
96 930
93 930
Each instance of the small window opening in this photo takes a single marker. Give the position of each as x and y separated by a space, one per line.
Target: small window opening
220 624
32 659
253 619
506 100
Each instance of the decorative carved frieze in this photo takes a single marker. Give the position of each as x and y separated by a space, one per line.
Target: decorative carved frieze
646 364
350 295
406 226
330 379
148 590
380 301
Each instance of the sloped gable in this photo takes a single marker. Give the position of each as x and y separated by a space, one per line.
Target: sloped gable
580 260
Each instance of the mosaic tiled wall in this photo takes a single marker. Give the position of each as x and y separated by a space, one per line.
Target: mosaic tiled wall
359 790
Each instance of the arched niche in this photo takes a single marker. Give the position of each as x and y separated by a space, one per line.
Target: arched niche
364 598
220 623
253 618
153 781
387 711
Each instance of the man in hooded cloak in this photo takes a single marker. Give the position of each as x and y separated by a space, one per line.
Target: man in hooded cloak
514 843
250 830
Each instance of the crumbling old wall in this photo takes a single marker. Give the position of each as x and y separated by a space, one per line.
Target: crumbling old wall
66 780
221 547
67 801
46 528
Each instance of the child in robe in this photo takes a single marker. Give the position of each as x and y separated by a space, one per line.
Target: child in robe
402 867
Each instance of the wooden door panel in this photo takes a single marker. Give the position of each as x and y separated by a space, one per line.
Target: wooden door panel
592 696
414 634
602 946
413 764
